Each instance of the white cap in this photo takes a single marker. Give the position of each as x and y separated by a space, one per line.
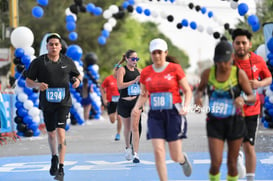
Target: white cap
158 44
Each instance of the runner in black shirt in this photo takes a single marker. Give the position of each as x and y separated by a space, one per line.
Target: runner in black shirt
51 74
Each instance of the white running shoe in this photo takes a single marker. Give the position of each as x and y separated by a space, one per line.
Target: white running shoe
241 165
187 169
136 158
128 154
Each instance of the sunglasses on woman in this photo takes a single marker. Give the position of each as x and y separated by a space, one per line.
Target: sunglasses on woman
134 58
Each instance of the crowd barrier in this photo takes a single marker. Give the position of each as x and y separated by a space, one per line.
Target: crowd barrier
7 114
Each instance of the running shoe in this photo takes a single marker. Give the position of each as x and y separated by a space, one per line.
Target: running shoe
117 138
136 158
60 175
128 154
187 169
54 165
240 165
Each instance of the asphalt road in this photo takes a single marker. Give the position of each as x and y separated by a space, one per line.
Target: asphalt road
98 137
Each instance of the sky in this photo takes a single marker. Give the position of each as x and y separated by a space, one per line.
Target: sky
198 45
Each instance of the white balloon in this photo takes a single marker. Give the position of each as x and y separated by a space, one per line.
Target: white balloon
107 14
21 37
209 30
112 21
22 97
200 28
114 9
77 105
271 99
163 15
34 112
18 90
29 51
233 4
32 57
261 51
28 104
36 119
154 14
108 27
95 67
268 92
68 12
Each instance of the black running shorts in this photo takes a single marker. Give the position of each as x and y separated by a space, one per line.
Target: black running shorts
231 128
56 117
251 126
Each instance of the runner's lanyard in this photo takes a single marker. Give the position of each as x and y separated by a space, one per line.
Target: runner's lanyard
250 62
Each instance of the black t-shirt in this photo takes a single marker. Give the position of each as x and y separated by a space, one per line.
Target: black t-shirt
56 75
129 76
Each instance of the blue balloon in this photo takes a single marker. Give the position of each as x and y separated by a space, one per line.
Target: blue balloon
33 126
185 22
242 9
270 46
210 14
193 25
203 10
19 104
252 20
270 111
105 33
266 125
20 133
74 52
28 90
22 112
125 4
37 12
69 18
139 9
73 36
67 127
22 82
131 2
70 26
36 132
17 75
80 121
147 12
90 7
270 57
42 2
102 40
255 27
97 11
266 99
26 60
19 52
33 97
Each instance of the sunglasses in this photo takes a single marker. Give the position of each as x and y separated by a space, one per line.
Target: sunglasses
134 58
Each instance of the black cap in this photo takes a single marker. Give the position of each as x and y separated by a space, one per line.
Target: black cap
53 35
223 51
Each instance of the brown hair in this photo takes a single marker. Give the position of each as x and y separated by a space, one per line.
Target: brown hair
124 56
172 59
